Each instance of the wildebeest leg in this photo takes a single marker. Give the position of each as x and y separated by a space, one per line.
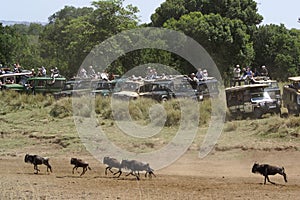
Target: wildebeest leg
133 174
268 180
150 174
73 169
83 171
48 165
106 170
120 172
284 175
130 173
36 168
137 176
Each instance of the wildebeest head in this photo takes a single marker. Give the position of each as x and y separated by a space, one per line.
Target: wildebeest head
255 167
105 160
28 158
73 161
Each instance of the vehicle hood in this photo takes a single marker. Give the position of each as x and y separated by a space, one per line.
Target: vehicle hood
126 93
256 100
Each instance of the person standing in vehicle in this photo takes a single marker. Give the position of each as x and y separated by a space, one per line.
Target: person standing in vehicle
199 74
264 71
236 75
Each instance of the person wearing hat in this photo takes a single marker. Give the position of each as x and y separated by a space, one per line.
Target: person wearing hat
264 71
236 75
193 77
33 72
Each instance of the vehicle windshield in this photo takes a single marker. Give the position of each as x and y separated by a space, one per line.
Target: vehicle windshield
129 86
103 86
183 87
273 85
260 96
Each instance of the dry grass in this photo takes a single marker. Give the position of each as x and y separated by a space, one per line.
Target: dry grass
40 119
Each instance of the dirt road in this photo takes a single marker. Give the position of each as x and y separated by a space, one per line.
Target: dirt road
221 175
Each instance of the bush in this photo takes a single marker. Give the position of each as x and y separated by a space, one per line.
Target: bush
62 108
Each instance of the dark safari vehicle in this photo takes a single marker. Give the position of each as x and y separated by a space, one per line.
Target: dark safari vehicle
15 81
67 90
46 85
291 96
103 88
76 88
158 90
250 100
209 87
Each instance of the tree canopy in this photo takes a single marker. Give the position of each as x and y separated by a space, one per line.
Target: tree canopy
229 30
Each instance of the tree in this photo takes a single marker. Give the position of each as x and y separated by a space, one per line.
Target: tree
244 10
15 45
73 32
223 27
225 40
278 48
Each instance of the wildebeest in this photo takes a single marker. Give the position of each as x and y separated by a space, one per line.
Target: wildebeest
137 166
37 160
112 163
265 170
80 163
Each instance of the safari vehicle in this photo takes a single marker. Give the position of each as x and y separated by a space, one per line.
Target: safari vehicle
155 89
67 89
103 88
250 100
46 85
183 89
77 87
15 81
206 88
273 88
159 90
209 87
291 96
127 89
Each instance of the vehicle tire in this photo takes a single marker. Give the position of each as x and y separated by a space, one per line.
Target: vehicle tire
164 99
297 113
257 113
289 111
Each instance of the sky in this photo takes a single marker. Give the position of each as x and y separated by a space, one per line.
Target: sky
274 11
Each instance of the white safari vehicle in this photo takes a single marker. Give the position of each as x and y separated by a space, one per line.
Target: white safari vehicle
250 100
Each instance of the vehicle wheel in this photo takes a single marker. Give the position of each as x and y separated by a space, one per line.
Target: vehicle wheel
278 111
258 113
297 113
289 111
164 99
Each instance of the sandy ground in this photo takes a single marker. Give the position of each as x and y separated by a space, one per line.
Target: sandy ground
221 175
